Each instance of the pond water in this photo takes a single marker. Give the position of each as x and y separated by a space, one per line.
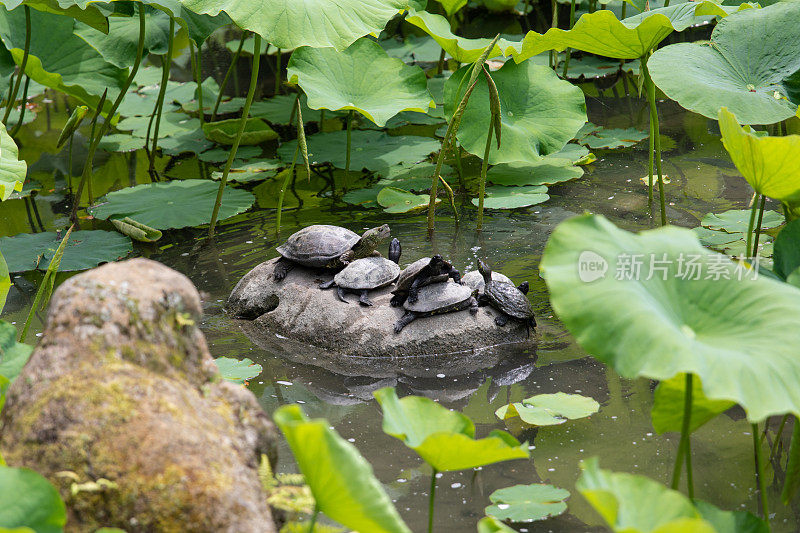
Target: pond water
702 180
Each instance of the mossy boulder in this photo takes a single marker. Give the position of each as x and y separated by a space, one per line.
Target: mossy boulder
121 407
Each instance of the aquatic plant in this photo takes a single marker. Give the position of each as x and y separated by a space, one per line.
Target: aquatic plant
549 409
37 504
527 503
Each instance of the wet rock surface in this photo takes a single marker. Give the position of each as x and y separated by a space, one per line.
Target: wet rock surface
295 308
122 388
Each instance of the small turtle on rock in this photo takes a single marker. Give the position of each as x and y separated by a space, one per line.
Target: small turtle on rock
474 280
324 246
420 273
364 275
436 299
506 298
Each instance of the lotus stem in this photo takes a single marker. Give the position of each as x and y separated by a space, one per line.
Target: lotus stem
758 226
313 521
13 94
251 91
162 90
623 13
684 445
228 75
651 148
277 70
11 89
554 24
13 133
321 119
431 498
484 166
69 163
751 224
760 479
197 72
525 7
571 24
655 136
440 65
34 229
666 3
350 117
774 447
282 192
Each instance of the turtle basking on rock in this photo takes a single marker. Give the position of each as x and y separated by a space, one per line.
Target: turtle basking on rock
474 280
364 275
507 299
420 273
436 299
324 246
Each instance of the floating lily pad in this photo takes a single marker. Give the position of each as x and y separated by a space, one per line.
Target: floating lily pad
548 171
237 371
189 141
540 112
527 503
12 169
37 503
716 238
121 142
256 131
579 155
750 65
738 220
366 197
177 204
668 405
373 150
412 49
591 67
171 124
278 109
396 200
220 155
550 409
255 171
413 117
499 197
596 137
85 249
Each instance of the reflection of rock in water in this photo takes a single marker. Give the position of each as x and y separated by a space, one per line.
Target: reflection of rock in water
345 380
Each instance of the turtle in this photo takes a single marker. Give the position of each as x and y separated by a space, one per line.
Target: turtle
506 298
474 280
364 275
420 273
438 298
325 246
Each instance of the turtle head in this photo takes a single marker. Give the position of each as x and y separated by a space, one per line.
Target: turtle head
436 263
395 250
485 270
374 236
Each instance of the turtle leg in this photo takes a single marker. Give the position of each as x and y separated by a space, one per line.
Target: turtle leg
501 319
523 287
405 320
414 291
340 294
473 305
363 300
347 257
455 275
397 300
282 267
327 285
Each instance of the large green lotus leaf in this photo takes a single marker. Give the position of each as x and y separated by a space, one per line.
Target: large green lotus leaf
171 124
373 150
13 355
699 312
90 15
77 69
316 23
550 409
396 200
461 49
256 131
444 439
548 171
85 249
12 169
668 405
730 521
177 204
220 155
30 502
278 109
738 220
412 49
751 65
254 171
602 33
596 137
341 480
236 370
500 197
527 503
338 80
540 113
451 6
786 258
771 165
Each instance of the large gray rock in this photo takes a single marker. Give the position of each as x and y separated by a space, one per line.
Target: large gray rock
297 309
122 387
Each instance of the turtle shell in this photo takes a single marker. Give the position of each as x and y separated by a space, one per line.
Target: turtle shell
505 297
439 298
409 273
474 280
367 273
318 245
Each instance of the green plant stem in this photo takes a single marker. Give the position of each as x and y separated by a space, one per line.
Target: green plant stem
197 74
228 75
554 24
751 224
758 226
684 446
777 436
321 119
162 90
313 521
760 480
666 3
278 64
23 64
624 11
440 64
69 163
282 192
569 50
651 149
13 133
525 7
655 135
484 167
251 91
431 498
350 117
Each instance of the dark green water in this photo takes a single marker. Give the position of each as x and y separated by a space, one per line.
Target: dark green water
702 180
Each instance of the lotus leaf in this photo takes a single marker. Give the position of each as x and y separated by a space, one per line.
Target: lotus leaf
91 15
548 171
668 405
451 6
713 317
187 141
85 249
461 49
171 124
751 66
500 197
787 250
12 169
444 439
579 155
256 131
5 282
249 172
342 482
591 67
13 354
771 165
136 230
540 112
120 142
490 524
714 238
730 521
177 204
237 371
396 200
337 80
220 155
413 49
278 109
367 197
37 505
549 409
412 117
527 503
598 137
373 150
738 220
